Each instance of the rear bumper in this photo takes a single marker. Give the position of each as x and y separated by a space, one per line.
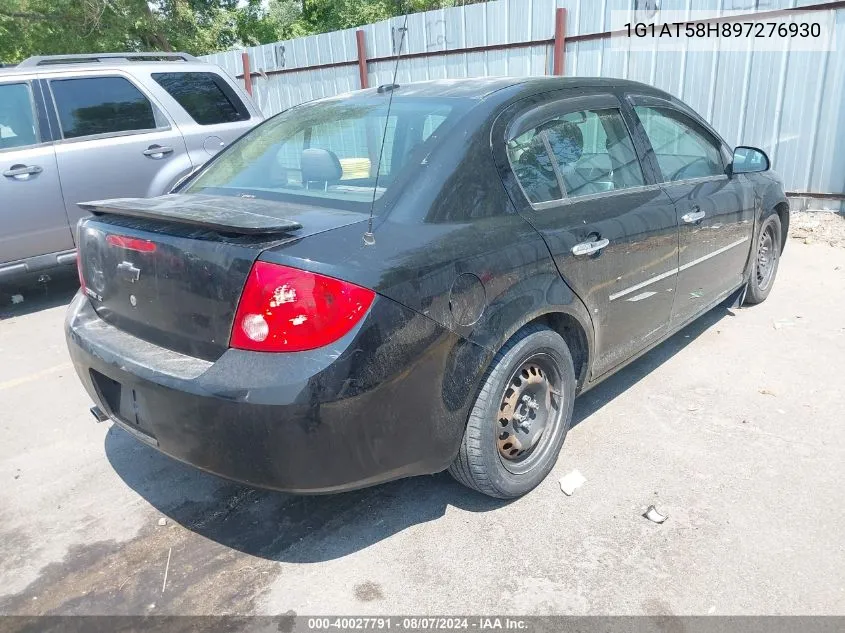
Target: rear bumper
380 404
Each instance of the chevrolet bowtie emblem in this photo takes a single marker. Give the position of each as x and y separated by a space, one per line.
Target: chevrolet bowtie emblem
128 272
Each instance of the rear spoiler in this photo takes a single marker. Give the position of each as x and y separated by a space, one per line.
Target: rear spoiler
228 214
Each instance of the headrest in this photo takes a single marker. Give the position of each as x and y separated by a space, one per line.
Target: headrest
320 165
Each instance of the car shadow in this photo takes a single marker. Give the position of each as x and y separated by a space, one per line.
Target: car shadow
607 390
29 297
280 526
283 527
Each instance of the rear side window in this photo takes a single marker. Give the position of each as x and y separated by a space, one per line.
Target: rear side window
206 97
576 154
531 159
101 105
18 127
683 151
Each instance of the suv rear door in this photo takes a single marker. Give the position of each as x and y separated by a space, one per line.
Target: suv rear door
611 229
32 212
209 111
116 141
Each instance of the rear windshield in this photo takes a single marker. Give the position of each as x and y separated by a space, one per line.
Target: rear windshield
329 151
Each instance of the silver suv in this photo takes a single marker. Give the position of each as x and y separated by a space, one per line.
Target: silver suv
83 127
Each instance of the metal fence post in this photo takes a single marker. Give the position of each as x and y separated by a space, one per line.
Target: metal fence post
560 41
247 72
360 39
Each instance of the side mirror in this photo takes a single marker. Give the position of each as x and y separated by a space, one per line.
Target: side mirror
748 160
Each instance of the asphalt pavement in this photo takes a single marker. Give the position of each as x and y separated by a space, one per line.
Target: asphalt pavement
733 428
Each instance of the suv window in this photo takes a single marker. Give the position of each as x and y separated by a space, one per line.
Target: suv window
101 105
17 119
683 151
577 154
205 96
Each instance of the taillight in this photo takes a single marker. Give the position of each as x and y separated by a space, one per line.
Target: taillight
285 309
131 243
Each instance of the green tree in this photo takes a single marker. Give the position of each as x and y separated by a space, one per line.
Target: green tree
49 27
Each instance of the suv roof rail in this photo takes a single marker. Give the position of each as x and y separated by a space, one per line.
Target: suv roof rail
50 60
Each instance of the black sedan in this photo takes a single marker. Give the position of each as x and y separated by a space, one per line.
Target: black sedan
415 278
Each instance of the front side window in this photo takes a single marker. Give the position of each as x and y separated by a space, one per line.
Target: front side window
576 154
329 150
204 96
682 150
18 127
101 105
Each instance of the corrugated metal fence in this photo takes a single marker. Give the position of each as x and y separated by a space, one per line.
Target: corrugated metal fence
790 103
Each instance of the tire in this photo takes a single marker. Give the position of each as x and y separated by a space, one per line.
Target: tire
766 260
486 462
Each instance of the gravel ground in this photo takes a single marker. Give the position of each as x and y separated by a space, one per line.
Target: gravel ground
733 428
827 227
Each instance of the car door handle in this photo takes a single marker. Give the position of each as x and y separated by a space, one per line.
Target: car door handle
693 216
157 151
588 248
22 172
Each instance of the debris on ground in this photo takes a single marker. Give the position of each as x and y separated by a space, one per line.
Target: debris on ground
166 569
654 516
782 323
766 392
823 225
162 522
569 483
17 299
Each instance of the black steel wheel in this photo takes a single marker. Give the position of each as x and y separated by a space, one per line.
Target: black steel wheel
521 415
766 260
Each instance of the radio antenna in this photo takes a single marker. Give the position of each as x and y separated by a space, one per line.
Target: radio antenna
369 238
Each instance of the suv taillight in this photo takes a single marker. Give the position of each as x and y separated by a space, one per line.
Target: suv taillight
285 309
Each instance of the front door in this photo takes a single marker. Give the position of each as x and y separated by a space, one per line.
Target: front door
32 213
612 231
115 142
716 212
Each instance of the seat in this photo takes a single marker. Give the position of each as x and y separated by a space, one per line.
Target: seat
21 127
320 165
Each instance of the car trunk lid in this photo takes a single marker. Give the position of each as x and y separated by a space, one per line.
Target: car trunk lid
171 270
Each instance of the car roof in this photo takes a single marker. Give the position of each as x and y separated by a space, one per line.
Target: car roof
480 88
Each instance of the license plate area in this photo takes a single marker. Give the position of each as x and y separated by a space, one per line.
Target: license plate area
125 405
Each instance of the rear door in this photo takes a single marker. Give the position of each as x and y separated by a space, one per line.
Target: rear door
716 212
32 213
116 142
611 230
207 109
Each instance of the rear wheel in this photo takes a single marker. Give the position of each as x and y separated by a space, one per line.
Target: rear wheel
519 421
766 260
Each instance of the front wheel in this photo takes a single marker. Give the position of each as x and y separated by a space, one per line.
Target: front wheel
520 418
766 260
